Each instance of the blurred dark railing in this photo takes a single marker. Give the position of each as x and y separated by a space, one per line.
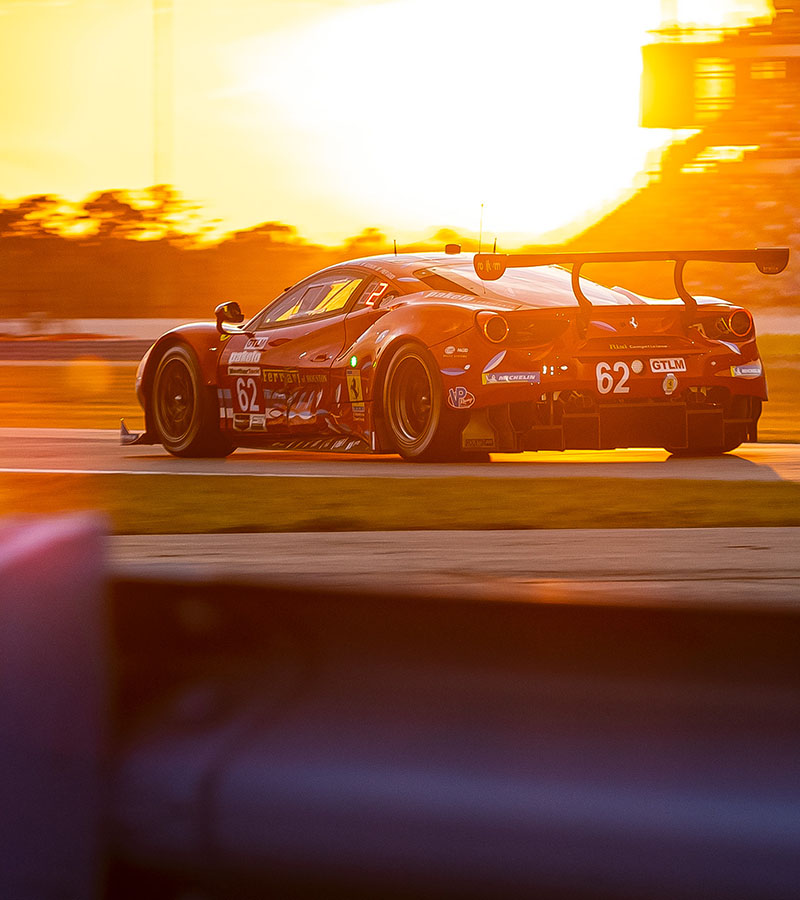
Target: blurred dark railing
254 741
118 350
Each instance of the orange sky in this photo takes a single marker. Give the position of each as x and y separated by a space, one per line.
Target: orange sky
333 115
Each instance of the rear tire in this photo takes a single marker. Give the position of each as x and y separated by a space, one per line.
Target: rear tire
699 452
183 411
741 414
418 423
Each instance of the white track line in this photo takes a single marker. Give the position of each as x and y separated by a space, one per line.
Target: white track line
17 471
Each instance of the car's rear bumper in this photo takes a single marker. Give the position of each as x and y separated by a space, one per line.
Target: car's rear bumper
675 424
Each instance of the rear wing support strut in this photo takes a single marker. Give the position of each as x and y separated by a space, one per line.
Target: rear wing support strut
768 260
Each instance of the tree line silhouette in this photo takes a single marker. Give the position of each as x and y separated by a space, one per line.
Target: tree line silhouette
152 253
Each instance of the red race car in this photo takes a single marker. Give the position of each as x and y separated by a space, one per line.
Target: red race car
446 356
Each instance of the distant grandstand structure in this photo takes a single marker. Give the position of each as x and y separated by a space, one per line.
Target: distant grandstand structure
741 88
734 181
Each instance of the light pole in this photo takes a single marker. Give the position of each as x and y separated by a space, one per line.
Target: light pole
162 91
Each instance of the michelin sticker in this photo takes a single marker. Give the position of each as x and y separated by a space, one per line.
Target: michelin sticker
511 377
751 370
460 398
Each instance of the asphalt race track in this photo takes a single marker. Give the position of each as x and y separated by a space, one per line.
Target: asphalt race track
659 566
76 450
662 566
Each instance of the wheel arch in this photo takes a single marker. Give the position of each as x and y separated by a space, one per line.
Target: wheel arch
202 341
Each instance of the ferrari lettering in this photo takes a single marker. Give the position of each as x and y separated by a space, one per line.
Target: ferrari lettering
612 377
247 394
280 376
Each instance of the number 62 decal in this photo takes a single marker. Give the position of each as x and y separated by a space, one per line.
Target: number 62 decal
247 394
606 381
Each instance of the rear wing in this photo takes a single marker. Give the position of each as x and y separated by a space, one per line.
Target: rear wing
769 261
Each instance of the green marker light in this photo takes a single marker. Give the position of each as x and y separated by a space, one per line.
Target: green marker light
353 362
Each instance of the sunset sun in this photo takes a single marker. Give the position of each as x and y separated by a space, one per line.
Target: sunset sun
415 112
337 115
419 112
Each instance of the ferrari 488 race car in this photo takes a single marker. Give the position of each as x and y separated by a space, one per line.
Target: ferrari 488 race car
447 356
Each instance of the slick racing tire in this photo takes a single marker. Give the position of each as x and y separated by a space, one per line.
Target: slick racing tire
741 414
418 423
182 407
688 452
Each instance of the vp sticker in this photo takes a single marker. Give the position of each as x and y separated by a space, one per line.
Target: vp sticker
460 398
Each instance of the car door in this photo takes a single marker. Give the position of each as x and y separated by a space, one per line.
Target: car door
279 379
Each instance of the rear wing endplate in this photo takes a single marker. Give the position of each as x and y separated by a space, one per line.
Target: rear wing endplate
769 261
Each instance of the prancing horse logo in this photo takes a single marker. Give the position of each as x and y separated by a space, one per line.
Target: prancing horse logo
632 322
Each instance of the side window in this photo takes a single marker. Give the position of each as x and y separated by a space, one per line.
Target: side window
279 308
376 291
322 296
335 295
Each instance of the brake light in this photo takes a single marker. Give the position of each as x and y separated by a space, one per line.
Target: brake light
493 326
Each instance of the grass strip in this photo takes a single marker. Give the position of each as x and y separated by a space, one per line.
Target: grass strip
165 504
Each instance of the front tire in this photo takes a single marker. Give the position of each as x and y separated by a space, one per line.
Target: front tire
418 423
183 413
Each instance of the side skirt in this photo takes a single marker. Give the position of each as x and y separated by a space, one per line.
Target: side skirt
333 444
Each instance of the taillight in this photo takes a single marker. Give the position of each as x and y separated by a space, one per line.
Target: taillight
737 325
493 326
740 323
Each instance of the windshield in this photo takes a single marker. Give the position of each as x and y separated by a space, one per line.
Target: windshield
537 286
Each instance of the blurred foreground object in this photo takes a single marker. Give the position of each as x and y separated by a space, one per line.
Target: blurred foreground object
270 741
53 713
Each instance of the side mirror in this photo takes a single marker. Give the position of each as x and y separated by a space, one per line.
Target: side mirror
228 313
